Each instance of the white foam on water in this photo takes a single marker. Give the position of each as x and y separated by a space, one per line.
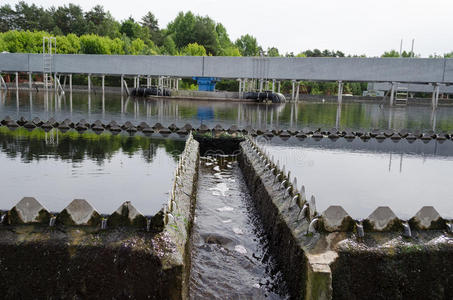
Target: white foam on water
221 187
238 230
216 168
225 208
241 249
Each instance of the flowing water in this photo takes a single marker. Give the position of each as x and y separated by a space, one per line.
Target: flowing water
229 256
362 175
105 169
286 115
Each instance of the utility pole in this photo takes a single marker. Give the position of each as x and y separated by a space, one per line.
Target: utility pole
412 48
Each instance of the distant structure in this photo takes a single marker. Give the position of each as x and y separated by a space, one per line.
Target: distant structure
206 84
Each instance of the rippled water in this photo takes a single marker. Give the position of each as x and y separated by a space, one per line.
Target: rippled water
287 115
229 256
105 170
363 175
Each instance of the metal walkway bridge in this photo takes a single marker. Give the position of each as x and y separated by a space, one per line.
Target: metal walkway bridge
437 72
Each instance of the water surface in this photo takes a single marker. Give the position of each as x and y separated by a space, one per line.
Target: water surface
229 255
363 175
287 115
105 169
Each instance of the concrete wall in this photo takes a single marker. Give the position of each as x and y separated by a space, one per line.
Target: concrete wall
314 68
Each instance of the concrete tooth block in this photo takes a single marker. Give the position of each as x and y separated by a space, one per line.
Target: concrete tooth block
37 121
187 127
12 124
112 123
21 121
127 125
203 128
335 218
6 120
97 123
142 125
79 212
312 206
165 131
29 125
28 210
427 218
173 127
52 122
383 219
218 128
126 215
233 129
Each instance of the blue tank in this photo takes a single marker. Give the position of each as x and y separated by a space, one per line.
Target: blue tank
206 83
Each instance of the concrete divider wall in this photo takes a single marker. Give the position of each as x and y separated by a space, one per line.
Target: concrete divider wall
314 68
328 255
82 255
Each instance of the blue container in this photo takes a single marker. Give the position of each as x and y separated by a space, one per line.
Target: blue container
206 83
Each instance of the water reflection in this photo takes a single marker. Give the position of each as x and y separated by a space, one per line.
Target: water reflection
105 169
109 107
361 175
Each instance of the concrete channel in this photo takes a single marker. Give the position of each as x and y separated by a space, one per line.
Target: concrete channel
79 253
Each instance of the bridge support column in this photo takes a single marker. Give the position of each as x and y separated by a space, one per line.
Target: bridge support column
17 80
89 83
148 82
240 87
340 91
279 85
30 81
273 85
103 84
177 83
435 98
392 94
122 84
293 82
297 90
261 85
55 82
138 81
70 83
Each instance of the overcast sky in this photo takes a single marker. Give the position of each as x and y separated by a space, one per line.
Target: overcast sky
352 26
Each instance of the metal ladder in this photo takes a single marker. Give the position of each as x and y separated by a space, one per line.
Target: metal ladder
49 48
401 96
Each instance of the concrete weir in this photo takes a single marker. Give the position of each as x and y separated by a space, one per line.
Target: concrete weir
81 254
329 255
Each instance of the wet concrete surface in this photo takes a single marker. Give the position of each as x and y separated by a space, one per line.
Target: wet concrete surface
230 258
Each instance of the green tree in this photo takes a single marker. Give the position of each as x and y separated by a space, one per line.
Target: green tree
193 49
70 19
169 46
231 51
182 28
7 18
391 53
69 44
248 46
101 23
130 28
93 44
272 52
150 21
